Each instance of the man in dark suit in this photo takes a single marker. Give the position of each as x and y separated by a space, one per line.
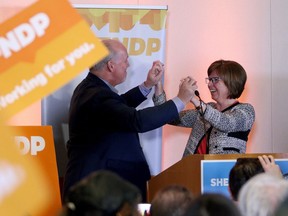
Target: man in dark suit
104 126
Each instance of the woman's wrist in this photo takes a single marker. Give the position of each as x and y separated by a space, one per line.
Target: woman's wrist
159 89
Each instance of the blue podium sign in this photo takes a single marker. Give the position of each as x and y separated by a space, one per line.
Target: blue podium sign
215 174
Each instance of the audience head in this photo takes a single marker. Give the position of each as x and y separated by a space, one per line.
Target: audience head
102 193
262 194
282 208
172 200
233 75
211 204
241 172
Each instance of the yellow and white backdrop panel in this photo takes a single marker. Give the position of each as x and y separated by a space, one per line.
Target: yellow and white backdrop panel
143 31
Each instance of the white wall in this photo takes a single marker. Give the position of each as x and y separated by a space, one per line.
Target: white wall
252 32
279 76
212 30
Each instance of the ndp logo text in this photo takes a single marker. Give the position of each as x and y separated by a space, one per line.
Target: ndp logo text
23 35
30 145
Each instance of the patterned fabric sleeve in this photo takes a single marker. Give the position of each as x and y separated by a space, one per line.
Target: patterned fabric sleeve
239 118
160 99
187 118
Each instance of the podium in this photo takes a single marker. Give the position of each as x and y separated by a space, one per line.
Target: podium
187 172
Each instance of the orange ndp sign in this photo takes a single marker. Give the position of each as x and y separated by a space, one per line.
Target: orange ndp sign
42 48
36 143
25 190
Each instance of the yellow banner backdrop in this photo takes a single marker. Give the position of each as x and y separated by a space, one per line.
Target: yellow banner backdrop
143 31
42 48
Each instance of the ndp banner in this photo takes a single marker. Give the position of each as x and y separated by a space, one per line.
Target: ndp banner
143 32
25 190
42 48
28 172
36 144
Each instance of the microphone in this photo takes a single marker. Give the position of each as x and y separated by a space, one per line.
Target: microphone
204 121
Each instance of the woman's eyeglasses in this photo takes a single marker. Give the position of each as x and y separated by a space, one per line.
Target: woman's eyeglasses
212 79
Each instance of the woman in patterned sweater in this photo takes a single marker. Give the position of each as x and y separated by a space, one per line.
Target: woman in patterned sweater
219 127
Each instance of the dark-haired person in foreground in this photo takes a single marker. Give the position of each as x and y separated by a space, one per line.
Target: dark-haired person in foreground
241 172
102 193
172 200
213 204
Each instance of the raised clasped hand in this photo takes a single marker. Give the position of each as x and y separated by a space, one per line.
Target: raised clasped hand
155 74
187 89
190 80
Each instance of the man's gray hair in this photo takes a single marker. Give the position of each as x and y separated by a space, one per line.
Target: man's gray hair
261 195
103 62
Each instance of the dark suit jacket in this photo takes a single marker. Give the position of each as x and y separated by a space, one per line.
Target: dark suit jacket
103 132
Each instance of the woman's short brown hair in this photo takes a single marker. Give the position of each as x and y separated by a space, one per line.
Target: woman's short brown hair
233 75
